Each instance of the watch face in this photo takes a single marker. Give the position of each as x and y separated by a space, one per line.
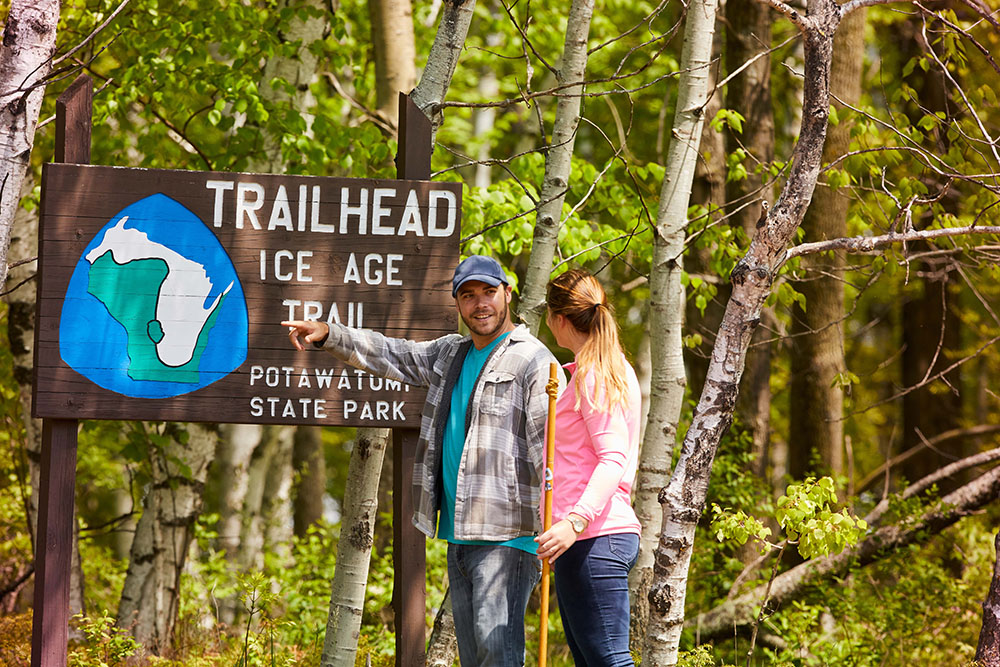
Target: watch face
578 525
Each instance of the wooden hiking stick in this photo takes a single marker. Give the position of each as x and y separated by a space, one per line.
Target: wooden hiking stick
552 389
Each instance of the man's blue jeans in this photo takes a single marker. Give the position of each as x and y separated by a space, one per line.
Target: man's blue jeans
592 589
490 586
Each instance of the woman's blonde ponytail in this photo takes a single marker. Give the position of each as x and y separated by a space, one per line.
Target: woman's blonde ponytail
579 297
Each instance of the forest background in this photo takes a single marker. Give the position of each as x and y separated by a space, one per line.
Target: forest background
822 178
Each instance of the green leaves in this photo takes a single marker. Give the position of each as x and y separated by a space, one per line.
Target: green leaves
737 526
805 514
729 118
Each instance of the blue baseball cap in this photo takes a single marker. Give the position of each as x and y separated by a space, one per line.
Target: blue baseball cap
478 267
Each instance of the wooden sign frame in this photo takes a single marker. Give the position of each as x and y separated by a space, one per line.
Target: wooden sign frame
57 479
161 292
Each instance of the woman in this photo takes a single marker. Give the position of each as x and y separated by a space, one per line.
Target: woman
595 541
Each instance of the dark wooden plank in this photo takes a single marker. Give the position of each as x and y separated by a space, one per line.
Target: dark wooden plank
409 591
54 547
409 557
74 109
57 477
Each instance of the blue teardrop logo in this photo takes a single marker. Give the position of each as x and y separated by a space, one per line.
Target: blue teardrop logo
154 308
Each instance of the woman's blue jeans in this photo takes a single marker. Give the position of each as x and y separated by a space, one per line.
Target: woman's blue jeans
592 589
490 585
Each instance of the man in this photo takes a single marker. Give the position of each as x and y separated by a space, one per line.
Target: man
480 454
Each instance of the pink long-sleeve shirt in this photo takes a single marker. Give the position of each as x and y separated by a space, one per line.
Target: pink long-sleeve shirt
596 457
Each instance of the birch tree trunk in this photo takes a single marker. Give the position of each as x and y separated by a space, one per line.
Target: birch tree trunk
484 119
666 300
148 607
442 60
442 647
816 402
231 480
277 522
347 594
684 497
21 336
558 163
988 651
29 41
260 511
395 54
298 71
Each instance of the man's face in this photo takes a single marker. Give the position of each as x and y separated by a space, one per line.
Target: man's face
484 309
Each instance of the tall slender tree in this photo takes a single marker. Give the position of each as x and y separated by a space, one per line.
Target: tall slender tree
151 592
558 162
684 497
817 347
347 595
395 53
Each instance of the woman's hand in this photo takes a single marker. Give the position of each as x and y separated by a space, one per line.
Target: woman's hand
556 540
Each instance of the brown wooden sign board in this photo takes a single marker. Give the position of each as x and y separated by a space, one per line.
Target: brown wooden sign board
161 292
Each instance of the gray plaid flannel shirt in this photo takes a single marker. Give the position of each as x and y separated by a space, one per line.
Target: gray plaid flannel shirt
500 475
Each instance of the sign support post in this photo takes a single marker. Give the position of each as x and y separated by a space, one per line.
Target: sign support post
409 582
57 483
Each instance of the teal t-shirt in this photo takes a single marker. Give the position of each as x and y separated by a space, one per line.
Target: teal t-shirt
454 446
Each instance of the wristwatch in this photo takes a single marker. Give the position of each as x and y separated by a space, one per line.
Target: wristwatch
579 525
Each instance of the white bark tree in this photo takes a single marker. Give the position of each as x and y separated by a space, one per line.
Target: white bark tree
298 72
357 532
149 601
442 60
558 163
232 473
29 42
667 300
684 497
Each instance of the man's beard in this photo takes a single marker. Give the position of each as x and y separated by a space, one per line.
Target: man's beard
501 322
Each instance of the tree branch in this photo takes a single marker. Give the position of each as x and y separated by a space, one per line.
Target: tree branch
877 512
866 244
875 475
93 34
792 585
798 20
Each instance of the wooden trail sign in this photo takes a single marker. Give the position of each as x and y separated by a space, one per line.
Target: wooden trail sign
161 292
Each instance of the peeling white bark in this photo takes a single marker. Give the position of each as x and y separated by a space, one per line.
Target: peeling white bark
442 60
148 606
667 299
684 497
347 593
29 41
557 164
